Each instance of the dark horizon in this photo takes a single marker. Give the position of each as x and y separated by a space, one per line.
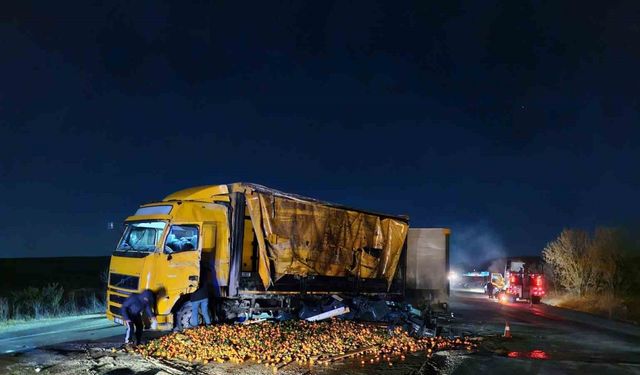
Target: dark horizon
504 122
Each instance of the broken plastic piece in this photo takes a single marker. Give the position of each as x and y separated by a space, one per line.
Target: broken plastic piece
328 314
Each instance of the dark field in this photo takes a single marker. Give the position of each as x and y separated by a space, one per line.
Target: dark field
72 273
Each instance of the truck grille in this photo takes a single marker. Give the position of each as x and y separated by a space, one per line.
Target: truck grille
115 310
124 281
116 298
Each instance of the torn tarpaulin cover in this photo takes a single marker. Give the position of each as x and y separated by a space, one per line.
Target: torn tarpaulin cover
304 237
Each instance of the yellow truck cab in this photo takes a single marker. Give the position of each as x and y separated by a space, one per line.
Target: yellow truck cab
162 247
261 246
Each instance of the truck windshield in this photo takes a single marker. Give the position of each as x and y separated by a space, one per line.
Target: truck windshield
142 236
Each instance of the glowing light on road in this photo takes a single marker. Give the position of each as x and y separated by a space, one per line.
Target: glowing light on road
538 354
534 354
453 276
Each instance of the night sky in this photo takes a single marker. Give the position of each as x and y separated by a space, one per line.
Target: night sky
506 121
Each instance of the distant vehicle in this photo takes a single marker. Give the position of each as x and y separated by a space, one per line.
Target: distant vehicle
495 285
472 281
265 249
523 280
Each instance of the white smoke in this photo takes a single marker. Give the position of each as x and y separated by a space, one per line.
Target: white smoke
474 243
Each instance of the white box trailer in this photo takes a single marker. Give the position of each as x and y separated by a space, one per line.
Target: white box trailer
428 265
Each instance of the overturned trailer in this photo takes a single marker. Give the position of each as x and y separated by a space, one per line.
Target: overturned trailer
264 250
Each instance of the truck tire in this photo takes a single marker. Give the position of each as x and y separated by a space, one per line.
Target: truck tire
535 300
183 317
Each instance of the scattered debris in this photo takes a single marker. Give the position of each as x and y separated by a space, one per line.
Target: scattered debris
329 314
277 344
419 323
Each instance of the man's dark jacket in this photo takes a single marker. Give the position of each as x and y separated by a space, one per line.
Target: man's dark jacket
135 304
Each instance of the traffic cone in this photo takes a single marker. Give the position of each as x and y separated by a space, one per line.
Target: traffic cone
507 331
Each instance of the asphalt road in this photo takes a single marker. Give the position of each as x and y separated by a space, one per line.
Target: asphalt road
25 337
546 340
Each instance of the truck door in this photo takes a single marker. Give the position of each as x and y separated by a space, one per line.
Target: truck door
178 266
215 255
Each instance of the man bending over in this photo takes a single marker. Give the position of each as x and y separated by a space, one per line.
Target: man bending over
132 309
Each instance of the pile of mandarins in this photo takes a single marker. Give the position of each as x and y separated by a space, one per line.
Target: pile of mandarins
276 344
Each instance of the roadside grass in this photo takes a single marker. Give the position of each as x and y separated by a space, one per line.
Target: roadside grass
633 306
42 288
604 305
48 302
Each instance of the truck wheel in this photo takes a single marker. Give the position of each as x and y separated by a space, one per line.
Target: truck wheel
183 317
535 300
